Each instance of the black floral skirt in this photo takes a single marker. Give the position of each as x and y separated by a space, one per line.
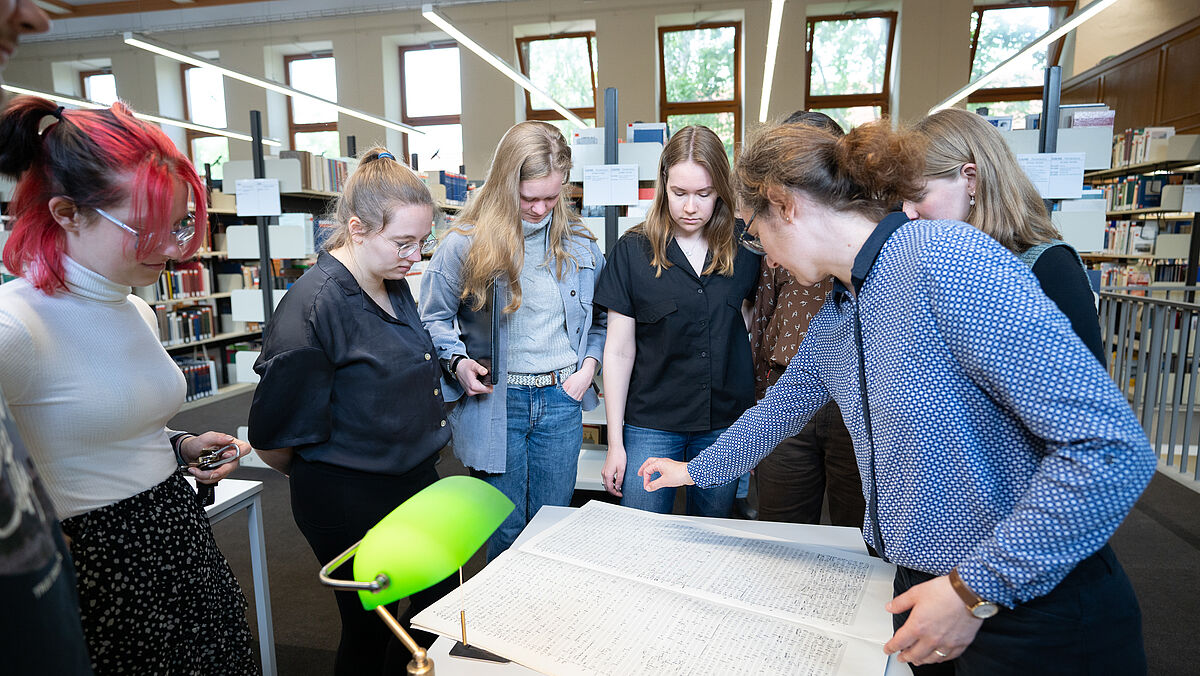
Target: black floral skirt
155 594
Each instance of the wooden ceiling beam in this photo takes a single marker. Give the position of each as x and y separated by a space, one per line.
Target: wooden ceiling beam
135 6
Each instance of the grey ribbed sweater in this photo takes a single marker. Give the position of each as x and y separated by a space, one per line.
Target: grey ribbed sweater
537 331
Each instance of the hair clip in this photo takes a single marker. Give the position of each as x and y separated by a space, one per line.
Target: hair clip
387 155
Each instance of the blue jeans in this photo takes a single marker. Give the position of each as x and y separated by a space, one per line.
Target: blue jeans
545 432
642 443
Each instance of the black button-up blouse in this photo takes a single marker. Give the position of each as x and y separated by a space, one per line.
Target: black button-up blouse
692 371
344 382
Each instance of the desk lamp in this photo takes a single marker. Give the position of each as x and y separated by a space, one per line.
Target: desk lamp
417 545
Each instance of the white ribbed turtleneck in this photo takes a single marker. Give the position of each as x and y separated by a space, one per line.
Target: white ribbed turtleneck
90 388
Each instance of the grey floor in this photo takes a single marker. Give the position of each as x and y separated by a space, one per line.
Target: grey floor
1159 545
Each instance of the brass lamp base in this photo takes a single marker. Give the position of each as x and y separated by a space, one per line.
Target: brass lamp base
421 664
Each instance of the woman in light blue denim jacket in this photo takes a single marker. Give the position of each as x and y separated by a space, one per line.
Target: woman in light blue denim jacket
540 340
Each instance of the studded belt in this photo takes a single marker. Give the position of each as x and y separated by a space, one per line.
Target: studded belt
541 379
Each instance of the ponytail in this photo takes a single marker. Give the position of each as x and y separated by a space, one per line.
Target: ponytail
870 170
95 158
379 185
20 140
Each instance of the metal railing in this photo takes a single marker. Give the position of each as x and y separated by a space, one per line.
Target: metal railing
1151 343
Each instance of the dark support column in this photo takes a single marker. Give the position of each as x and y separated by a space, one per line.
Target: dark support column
264 245
611 128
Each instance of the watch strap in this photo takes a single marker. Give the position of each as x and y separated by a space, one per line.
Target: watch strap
964 592
177 446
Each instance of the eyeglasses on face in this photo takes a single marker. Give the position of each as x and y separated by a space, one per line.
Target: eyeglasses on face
183 231
425 246
752 243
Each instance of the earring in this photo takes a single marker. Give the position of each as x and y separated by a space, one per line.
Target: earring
972 200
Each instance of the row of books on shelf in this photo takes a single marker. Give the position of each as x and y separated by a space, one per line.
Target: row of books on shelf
1166 238
1123 274
455 184
1130 238
200 376
323 174
1136 146
1119 274
1136 192
185 325
184 280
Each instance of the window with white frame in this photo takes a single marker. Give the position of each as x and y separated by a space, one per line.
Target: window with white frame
431 100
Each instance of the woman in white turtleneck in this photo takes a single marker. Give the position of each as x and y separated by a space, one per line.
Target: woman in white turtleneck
101 206
520 390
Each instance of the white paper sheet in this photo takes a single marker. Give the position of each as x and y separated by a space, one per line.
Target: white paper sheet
615 590
1055 175
543 614
258 197
607 184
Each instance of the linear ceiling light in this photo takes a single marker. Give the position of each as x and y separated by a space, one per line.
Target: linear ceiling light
438 19
1072 22
157 119
772 50
53 8
149 45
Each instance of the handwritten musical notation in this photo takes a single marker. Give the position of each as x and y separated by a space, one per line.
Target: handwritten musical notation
614 590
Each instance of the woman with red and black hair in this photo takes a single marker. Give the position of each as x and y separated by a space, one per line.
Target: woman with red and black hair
101 206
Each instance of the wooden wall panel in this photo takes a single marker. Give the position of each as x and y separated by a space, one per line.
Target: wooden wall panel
1181 82
1132 91
1153 84
1089 90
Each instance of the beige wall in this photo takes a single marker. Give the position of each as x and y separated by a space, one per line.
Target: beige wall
928 64
1125 25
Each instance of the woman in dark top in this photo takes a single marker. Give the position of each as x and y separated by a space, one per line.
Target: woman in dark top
350 398
677 358
972 176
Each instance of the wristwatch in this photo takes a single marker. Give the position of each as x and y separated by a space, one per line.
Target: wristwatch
451 365
978 607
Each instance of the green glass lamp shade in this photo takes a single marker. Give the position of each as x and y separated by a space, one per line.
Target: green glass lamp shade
428 537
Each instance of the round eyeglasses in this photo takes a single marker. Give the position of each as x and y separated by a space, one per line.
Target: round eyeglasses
425 246
183 231
752 243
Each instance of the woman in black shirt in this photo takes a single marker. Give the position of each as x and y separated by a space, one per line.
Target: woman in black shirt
350 399
972 176
677 356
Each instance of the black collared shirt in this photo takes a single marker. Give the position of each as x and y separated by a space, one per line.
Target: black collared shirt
346 383
692 371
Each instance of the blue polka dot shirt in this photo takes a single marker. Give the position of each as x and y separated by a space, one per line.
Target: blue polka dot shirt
1000 445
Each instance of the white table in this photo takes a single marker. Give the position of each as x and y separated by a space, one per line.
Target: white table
849 539
234 495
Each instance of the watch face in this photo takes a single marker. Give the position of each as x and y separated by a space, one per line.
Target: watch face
985 610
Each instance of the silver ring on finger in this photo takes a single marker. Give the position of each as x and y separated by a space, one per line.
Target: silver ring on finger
940 653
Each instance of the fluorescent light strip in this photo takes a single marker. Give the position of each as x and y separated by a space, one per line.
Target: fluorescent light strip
437 19
1072 22
200 62
769 64
157 119
52 8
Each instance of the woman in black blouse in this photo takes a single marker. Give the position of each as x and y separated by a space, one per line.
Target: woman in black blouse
677 356
972 176
350 400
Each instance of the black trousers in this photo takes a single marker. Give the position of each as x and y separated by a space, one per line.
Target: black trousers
334 507
794 478
1089 624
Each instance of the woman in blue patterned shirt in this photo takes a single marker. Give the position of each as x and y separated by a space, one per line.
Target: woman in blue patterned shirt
996 454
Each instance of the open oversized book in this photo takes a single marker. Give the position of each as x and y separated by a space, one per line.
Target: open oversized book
613 590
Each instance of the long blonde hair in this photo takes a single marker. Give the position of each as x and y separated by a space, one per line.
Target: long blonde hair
1007 206
529 151
702 146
